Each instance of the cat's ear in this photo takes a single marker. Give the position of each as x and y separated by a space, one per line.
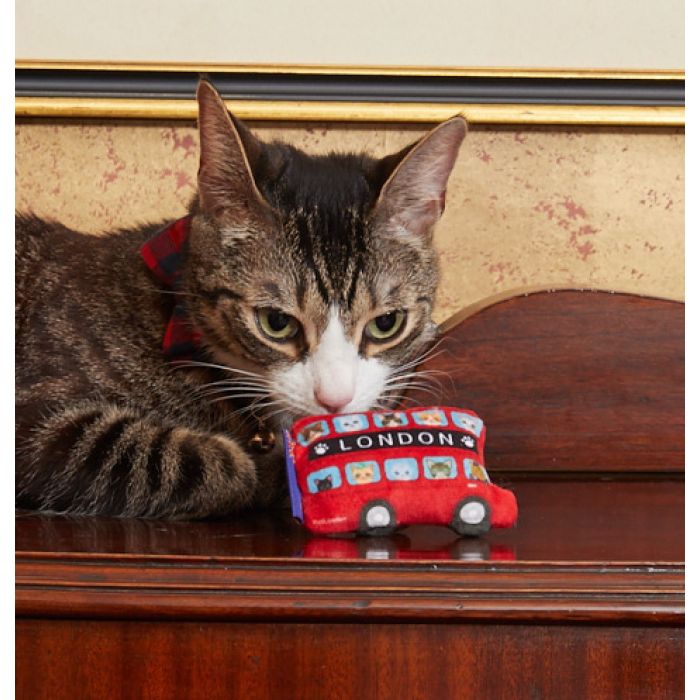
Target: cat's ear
412 198
227 150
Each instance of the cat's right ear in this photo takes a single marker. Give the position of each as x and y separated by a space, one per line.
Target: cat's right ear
227 147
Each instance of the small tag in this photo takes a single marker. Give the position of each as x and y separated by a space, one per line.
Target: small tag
295 496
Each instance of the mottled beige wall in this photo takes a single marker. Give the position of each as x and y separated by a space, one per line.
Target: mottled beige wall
597 208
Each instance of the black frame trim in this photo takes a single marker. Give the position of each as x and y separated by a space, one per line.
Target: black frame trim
86 83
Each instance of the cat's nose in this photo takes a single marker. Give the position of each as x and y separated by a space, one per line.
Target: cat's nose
332 401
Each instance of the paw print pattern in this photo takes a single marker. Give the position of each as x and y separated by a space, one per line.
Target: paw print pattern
321 448
467 441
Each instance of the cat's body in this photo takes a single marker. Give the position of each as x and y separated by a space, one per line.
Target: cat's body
294 270
89 336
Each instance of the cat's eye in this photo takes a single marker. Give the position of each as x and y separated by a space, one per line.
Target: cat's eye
386 326
276 324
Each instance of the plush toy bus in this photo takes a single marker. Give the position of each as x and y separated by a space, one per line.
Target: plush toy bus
372 472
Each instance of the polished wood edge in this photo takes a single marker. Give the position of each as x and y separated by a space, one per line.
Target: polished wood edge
384 112
318 69
155 587
506 295
553 474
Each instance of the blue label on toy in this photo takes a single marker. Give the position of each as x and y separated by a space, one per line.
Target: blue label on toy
295 496
473 424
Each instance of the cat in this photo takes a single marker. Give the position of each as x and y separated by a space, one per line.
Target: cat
311 432
361 472
470 423
345 424
301 285
429 418
401 470
439 469
324 484
476 471
390 420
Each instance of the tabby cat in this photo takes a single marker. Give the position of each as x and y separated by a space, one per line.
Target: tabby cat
299 285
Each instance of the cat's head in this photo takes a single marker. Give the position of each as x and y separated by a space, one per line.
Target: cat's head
316 274
362 473
350 423
324 484
401 472
429 418
440 469
391 419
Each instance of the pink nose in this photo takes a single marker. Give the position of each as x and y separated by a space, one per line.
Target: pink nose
331 401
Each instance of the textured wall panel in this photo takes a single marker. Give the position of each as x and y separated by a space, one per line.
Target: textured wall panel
597 208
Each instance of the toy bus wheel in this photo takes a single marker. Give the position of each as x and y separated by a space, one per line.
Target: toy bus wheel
472 516
377 518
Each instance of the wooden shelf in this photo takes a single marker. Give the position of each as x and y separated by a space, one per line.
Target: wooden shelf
585 550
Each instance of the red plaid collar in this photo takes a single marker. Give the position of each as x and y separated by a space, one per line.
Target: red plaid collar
163 255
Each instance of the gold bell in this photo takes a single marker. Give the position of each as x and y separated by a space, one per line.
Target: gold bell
263 441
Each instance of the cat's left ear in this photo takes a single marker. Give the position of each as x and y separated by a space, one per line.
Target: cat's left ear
413 197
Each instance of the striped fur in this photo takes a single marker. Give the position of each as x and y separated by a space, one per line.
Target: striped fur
111 460
105 425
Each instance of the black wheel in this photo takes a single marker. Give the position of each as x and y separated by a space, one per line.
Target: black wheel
377 518
472 517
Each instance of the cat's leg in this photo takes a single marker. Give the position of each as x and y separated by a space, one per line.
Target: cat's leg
109 460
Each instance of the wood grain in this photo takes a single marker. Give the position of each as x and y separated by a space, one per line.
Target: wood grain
585 551
631 521
312 661
571 381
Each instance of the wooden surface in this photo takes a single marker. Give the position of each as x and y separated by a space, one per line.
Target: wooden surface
311 661
583 599
579 553
571 381
590 520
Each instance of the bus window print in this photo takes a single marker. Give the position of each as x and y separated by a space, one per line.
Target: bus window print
402 469
474 470
350 423
471 423
439 468
430 417
359 473
392 419
324 480
312 431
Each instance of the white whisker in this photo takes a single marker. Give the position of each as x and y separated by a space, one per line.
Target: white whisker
210 365
236 391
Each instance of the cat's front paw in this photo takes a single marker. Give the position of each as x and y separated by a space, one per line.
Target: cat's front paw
226 480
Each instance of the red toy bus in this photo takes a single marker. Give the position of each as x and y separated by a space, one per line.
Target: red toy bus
375 471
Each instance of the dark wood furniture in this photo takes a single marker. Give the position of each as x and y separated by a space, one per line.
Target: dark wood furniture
582 394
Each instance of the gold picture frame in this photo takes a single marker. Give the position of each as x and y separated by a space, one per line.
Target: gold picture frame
59 107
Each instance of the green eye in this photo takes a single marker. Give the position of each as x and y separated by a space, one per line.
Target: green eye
276 324
386 326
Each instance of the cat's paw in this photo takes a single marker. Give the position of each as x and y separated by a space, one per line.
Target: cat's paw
228 478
